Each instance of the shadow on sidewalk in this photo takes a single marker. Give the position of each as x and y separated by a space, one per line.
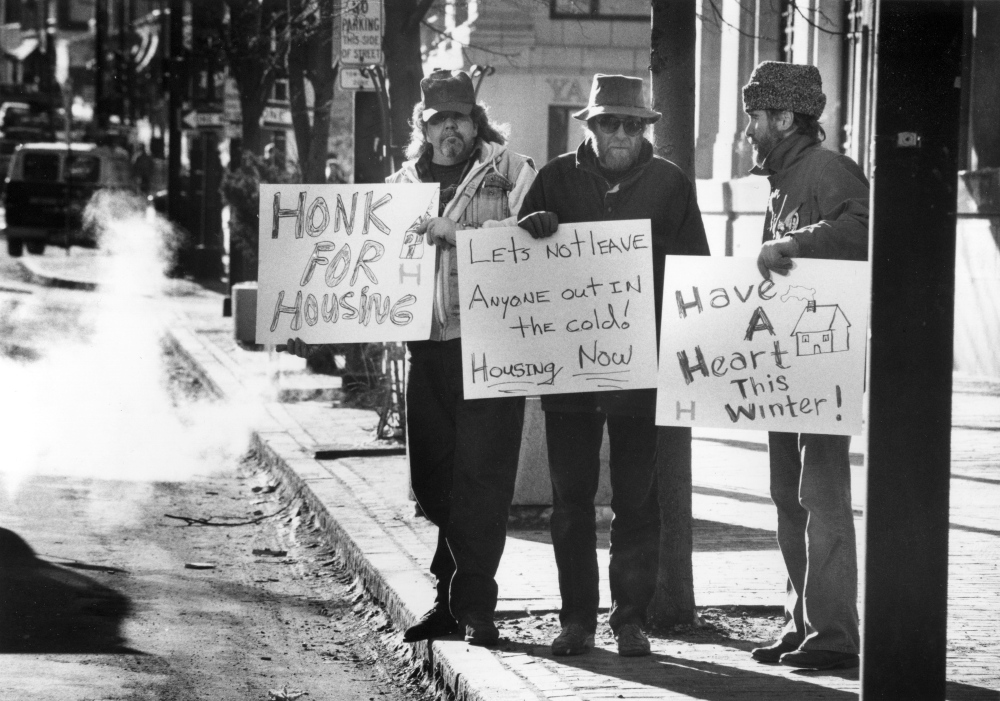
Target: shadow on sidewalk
708 536
697 679
46 608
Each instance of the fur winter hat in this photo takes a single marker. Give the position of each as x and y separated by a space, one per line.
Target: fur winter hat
785 86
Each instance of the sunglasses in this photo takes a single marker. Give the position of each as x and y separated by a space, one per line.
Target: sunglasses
609 124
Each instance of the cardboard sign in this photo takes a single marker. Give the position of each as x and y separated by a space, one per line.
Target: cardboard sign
570 313
788 354
344 264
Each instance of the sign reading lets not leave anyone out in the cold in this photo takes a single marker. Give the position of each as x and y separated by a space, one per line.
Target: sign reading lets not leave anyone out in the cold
786 354
569 313
344 264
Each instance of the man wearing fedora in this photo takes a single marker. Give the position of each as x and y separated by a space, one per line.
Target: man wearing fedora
463 453
818 209
613 175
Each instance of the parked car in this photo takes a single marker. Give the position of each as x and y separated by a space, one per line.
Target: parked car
23 122
47 190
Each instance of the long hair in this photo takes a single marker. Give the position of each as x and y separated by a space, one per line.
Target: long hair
487 130
803 124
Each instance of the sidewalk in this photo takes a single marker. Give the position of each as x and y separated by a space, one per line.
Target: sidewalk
362 500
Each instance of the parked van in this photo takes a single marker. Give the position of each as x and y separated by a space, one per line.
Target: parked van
48 187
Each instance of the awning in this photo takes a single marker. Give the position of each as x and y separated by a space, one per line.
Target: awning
24 49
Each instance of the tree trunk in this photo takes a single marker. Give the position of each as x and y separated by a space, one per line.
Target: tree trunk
403 68
248 51
310 57
672 62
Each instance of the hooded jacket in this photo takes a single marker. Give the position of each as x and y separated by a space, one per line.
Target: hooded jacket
574 187
818 196
489 195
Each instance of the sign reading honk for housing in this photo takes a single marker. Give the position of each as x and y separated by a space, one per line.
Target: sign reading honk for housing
344 263
786 354
570 313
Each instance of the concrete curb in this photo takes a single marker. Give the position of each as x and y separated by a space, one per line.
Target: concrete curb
40 278
389 573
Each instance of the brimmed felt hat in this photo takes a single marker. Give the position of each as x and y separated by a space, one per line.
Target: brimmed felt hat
616 94
447 91
785 86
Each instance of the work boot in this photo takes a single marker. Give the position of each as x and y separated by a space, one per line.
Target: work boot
480 629
632 642
819 659
773 652
436 623
573 640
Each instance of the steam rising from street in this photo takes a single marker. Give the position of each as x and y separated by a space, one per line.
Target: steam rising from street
97 404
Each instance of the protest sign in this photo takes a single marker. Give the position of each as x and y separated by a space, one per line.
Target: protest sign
344 264
787 354
570 313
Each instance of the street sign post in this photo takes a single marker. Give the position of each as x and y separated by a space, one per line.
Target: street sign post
353 79
361 29
204 120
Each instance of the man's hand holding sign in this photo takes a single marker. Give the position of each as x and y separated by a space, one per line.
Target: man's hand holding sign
570 312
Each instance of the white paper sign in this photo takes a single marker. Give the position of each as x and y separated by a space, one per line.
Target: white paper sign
570 313
343 263
737 351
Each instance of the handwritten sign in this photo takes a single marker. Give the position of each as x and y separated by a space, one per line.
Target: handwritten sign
571 313
344 264
788 354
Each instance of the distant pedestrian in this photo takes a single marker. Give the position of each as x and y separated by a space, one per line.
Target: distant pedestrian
463 452
142 169
613 175
818 209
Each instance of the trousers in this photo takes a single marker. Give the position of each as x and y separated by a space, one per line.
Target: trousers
574 443
811 488
463 465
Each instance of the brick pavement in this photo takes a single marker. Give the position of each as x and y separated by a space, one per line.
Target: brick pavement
734 535
363 503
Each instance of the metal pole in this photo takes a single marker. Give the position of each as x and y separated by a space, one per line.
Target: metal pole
178 72
918 60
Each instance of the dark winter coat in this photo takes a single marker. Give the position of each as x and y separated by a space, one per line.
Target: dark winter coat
818 196
573 187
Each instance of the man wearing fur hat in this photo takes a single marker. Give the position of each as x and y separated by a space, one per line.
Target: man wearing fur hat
463 453
818 208
613 175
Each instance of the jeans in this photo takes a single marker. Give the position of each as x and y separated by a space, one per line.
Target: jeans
574 444
811 486
463 463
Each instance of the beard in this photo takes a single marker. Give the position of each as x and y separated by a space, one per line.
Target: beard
453 145
763 144
617 157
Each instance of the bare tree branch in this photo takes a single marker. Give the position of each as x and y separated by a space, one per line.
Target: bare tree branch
446 35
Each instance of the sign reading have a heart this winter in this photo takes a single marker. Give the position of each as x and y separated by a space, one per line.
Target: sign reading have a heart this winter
786 354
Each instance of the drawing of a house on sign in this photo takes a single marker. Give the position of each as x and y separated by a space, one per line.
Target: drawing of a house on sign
822 328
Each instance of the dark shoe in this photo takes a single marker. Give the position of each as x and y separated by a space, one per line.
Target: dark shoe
480 629
632 642
819 659
436 623
773 652
573 640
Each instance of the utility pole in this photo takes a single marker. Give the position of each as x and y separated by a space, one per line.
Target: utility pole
177 80
100 63
672 67
918 68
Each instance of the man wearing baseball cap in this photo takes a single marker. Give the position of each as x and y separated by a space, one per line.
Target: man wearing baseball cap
463 453
613 175
818 209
